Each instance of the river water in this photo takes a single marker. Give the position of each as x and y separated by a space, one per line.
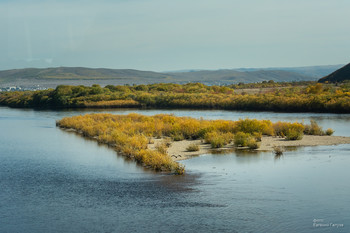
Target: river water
55 181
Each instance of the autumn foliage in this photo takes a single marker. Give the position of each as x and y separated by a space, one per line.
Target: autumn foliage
130 134
307 97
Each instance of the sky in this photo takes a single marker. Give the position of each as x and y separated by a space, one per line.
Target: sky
165 35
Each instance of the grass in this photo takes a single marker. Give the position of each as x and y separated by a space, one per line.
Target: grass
192 147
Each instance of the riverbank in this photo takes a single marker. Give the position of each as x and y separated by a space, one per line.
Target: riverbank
177 150
277 97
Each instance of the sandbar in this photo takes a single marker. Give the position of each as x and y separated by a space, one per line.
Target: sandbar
177 149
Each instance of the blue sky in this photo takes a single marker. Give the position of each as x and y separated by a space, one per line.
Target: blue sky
165 35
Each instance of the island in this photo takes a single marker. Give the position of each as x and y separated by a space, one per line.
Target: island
158 142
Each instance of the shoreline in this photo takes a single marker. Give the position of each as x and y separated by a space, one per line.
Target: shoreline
177 150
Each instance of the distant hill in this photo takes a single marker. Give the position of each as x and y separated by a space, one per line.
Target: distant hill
234 76
51 77
339 75
311 71
76 73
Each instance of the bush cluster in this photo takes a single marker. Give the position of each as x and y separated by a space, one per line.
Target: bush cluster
218 139
193 147
242 139
292 98
130 134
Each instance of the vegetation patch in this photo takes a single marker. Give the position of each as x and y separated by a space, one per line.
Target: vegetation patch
282 97
218 139
278 151
329 132
193 147
131 134
294 134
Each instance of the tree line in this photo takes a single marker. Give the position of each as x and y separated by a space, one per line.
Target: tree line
313 97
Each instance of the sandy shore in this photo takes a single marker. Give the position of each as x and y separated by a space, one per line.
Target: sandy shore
267 143
177 150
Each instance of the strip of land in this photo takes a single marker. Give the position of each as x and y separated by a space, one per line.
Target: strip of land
178 149
277 97
156 142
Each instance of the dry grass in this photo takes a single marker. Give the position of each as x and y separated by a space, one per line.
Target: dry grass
193 147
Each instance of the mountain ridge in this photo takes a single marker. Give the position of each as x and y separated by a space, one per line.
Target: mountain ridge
51 77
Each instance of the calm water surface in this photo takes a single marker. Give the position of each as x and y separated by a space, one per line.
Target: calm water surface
55 181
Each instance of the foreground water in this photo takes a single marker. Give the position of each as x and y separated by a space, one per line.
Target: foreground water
54 181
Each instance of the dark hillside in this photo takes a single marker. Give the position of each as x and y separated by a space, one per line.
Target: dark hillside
340 75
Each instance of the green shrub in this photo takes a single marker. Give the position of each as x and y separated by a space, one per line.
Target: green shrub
283 129
218 139
294 134
193 147
313 129
217 142
241 139
252 143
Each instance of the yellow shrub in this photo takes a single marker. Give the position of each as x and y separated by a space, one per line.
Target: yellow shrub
131 133
218 139
241 139
284 128
254 126
157 160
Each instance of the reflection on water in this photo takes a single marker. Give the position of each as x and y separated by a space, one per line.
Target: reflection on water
246 153
55 181
278 156
221 151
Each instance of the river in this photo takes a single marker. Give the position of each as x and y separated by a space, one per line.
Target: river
56 181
